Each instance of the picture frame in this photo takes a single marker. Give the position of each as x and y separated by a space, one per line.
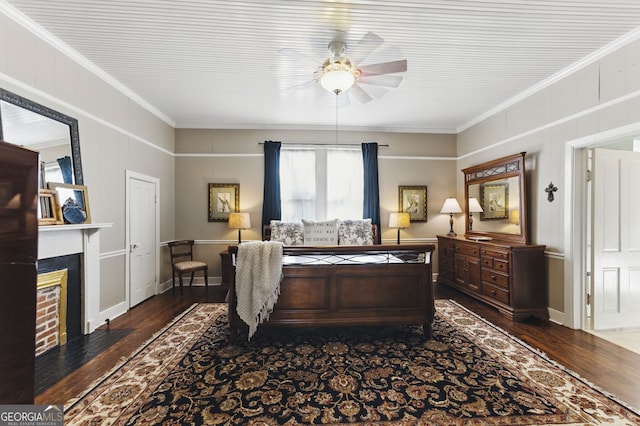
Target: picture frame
413 200
76 210
49 212
224 198
494 200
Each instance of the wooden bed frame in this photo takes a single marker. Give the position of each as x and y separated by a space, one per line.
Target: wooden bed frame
351 294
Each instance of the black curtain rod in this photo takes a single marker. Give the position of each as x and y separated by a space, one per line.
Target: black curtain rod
323 144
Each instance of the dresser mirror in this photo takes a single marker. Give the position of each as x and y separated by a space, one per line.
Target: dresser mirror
53 134
495 200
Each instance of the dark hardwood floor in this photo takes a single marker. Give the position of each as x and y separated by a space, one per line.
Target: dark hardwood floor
606 365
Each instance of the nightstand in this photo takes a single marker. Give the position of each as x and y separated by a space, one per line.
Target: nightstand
226 262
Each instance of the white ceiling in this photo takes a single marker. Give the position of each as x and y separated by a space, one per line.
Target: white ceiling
215 64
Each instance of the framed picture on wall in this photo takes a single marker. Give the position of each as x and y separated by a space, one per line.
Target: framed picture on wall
413 200
224 198
494 201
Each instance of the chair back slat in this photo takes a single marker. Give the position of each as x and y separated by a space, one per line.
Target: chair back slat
181 250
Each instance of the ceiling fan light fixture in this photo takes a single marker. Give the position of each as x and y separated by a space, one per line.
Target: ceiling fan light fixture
338 76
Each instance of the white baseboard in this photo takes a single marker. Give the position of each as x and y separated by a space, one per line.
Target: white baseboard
197 281
111 313
557 316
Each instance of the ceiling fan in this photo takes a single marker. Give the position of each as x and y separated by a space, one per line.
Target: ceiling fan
345 71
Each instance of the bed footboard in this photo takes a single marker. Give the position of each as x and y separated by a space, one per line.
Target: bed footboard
328 286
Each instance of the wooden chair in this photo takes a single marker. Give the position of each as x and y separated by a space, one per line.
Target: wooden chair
182 261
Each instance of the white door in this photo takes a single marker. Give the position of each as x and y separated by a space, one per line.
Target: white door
142 237
616 239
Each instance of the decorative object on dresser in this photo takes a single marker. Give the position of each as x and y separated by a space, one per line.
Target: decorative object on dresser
413 200
239 221
474 207
224 199
450 207
400 221
495 262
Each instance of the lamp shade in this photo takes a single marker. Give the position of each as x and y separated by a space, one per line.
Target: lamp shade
474 206
239 221
514 216
451 206
399 220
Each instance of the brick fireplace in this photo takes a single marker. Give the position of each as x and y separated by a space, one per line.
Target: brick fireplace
51 310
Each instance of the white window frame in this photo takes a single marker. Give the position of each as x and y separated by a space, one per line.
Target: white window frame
321 190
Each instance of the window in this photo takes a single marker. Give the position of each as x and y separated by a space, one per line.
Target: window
321 183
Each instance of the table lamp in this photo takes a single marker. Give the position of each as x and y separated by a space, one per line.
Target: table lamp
474 207
239 221
451 206
400 221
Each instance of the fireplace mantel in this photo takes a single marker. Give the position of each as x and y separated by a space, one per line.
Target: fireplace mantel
61 240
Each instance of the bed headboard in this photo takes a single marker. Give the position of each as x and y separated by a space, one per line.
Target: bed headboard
266 233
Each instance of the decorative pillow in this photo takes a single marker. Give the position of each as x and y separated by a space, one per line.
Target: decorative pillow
288 233
320 233
355 232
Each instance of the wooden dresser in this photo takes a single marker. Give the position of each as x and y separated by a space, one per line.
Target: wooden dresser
506 275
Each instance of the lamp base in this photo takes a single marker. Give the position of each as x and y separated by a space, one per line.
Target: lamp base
451 232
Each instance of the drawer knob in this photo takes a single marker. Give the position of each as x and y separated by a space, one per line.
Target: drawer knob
493 292
493 277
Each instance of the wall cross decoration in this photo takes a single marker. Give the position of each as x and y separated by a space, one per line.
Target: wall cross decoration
550 190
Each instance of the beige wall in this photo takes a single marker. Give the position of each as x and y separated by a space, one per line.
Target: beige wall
599 99
235 156
116 134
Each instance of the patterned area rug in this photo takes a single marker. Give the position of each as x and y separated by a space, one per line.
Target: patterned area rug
470 373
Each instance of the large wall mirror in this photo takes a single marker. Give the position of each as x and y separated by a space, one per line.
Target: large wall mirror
495 199
53 134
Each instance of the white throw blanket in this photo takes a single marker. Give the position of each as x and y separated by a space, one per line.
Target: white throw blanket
258 276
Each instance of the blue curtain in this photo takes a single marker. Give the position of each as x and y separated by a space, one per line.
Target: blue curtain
66 168
371 188
271 208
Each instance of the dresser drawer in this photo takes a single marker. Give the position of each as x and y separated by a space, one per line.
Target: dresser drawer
468 249
501 265
495 293
502 255
495 278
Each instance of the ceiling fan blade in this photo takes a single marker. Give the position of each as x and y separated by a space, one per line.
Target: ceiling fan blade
359 94
365 47
383 68
299 58
382 80
301 86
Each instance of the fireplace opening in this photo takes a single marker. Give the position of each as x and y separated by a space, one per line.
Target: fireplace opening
72 264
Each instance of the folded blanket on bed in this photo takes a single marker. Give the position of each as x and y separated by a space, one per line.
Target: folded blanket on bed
258 276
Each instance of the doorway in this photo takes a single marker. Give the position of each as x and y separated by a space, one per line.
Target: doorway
592 296
143 237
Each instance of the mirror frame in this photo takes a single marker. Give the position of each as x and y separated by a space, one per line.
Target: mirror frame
501 168
74 135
